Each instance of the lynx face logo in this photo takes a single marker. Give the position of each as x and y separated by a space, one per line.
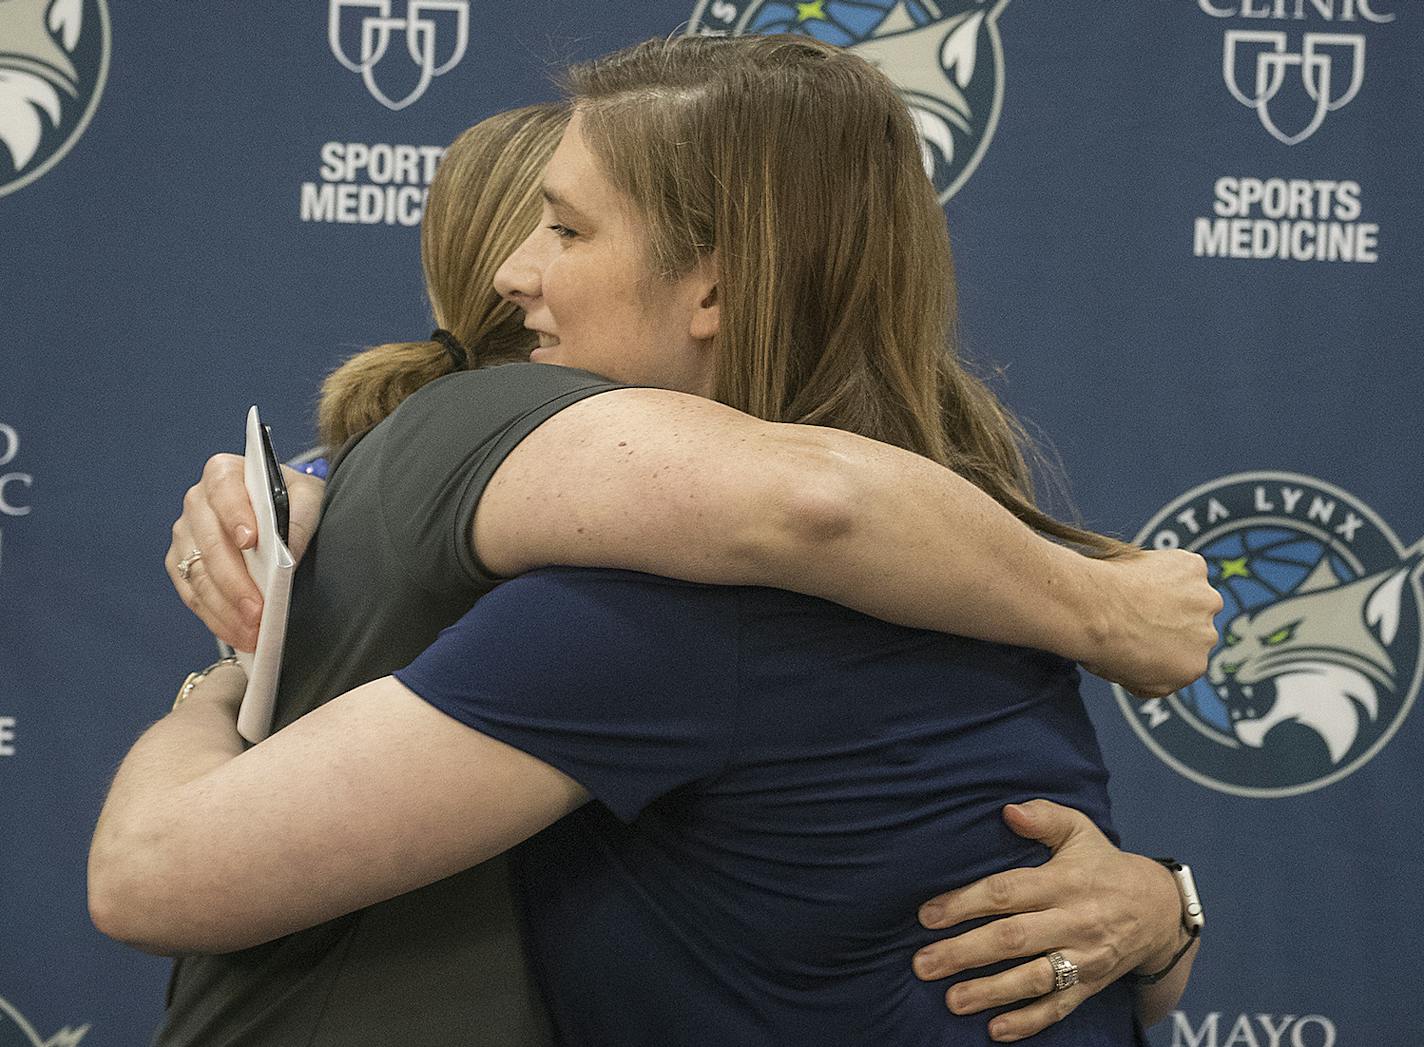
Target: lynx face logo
379 35
54 59
16 1032
946 58
1319 659
1330 67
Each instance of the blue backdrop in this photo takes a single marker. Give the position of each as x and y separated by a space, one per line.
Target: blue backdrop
1190 232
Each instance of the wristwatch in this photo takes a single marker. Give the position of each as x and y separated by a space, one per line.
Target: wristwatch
1193 917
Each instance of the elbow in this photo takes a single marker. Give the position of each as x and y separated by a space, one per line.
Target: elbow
117 906
120 902
797 509
104 905
803 521
136 899
131 912
106 875
801 506
816 502
113 916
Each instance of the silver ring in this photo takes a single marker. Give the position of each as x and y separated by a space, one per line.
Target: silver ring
185 565
1065 971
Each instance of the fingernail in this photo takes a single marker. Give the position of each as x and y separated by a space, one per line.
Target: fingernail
924 965
931 913
244 535
251 610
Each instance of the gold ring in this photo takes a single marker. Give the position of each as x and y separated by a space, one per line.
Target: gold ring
185 565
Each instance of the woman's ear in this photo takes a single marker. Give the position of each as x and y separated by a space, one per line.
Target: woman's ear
707 317
707 308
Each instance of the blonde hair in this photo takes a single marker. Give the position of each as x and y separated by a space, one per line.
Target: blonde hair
483 202
798 167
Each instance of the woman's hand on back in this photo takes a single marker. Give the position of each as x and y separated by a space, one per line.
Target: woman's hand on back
218 522
1107 911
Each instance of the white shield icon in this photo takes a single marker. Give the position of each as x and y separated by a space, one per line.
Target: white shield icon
1316 60
420 29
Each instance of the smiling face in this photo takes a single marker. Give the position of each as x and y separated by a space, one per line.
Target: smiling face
587 289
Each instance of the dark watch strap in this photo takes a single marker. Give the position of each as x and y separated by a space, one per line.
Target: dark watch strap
1153 979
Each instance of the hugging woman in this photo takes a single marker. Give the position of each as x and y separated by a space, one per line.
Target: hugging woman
745 794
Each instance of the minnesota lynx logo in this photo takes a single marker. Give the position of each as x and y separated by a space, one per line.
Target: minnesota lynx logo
1319 658
16 1032
378 38
946 57
54 58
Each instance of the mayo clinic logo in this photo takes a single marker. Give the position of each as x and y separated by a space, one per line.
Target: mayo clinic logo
54 59
1315 64
397 56
946 58
1292 87
14 486
1217 1029
1319 656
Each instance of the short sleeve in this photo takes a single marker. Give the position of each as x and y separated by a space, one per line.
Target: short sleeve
624 682
434 456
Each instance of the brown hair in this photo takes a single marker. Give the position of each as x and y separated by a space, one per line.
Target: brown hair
483 202
798 166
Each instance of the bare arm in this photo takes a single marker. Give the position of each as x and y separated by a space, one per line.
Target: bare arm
1155 1002
202 847
682 486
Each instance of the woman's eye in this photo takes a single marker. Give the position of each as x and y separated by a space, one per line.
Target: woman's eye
563 232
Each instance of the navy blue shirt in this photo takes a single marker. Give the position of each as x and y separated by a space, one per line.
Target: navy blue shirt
779 783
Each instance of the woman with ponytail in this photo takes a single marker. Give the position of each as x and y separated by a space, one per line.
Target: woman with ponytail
782 782
483 201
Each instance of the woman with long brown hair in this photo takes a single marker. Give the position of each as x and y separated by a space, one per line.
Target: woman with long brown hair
625 290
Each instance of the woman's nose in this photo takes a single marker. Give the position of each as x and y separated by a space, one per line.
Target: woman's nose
517 280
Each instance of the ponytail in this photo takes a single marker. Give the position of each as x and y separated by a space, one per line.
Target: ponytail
370 385
483 202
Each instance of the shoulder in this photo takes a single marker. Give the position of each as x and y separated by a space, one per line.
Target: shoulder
502 392
435 431
523 379
624 682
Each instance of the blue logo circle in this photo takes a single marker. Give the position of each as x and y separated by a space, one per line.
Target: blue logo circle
1319 656
946 58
